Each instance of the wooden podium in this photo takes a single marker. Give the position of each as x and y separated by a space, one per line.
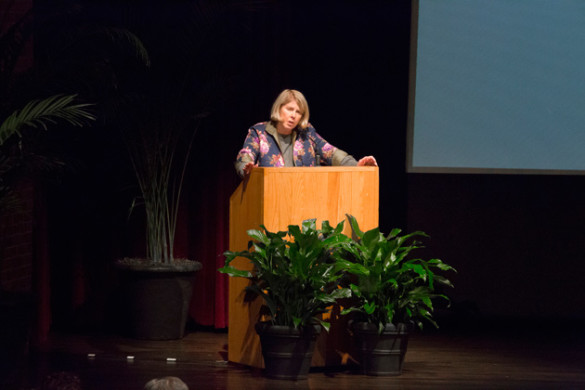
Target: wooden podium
276 198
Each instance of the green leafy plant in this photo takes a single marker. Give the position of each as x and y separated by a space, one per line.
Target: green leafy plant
293 271
25 107
42 113
159 157
389 286
16 158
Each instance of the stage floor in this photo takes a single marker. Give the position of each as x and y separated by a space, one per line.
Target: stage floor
547 357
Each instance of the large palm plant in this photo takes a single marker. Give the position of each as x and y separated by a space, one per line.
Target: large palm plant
159 117
22 112
147 105
35 114
159 142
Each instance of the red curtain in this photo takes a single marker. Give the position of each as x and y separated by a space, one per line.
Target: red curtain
203 234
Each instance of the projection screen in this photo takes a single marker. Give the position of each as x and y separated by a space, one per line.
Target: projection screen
497 86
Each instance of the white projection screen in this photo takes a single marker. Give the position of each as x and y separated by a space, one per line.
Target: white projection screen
497 86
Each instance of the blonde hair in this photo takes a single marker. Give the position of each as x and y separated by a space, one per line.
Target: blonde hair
285 97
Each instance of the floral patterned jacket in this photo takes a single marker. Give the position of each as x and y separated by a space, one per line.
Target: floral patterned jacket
262 146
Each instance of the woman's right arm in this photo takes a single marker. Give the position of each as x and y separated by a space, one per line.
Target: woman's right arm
247 156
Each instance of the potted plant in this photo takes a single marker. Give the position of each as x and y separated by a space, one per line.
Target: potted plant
156 99
24 110
391 291
158 287
153 108
298 279
154 104
25 113
159 131
20 161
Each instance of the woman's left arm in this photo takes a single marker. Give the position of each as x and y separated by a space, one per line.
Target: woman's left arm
324 150
335 156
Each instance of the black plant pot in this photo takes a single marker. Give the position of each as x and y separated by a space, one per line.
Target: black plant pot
155 301
287 351
380 354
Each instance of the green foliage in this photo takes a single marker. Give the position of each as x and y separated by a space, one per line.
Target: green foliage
22 110
36 113
294 271
41 113
387 285
159 153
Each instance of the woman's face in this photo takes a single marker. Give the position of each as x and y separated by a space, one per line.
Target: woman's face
290 115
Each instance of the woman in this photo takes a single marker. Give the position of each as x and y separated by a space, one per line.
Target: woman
288 140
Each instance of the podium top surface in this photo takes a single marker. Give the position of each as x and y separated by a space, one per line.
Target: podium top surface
314 169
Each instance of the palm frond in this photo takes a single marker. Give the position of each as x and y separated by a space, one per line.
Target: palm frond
123 35
40 113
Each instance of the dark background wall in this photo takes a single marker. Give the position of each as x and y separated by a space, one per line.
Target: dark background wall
517 241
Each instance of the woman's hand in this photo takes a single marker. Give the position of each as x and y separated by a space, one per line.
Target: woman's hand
368 161
248 168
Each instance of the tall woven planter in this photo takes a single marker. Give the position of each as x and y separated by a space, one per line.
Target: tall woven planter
287 351
380 354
